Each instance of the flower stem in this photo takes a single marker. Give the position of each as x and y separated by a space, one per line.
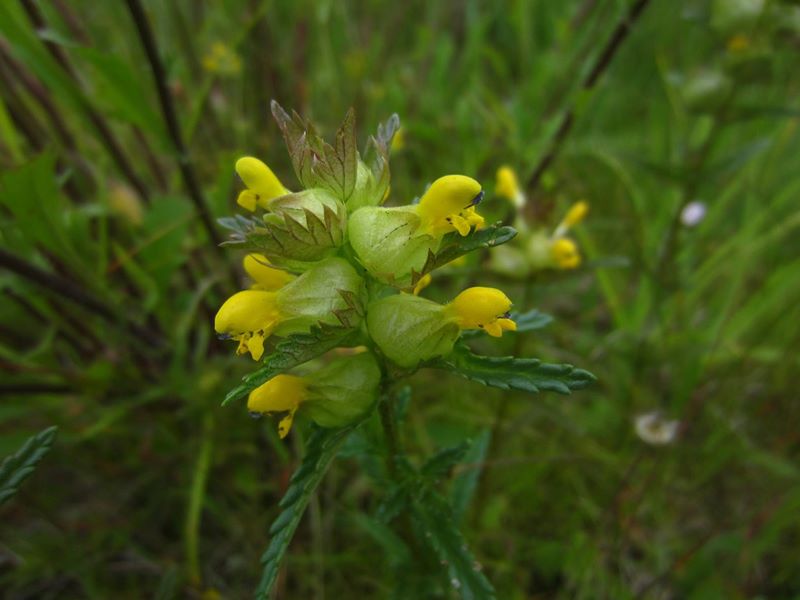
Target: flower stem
386 410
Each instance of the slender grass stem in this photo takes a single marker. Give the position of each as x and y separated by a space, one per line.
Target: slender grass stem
196 496
604 59
104 132
70 290
170 118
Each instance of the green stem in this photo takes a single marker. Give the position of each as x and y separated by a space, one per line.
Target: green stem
197 494
386 410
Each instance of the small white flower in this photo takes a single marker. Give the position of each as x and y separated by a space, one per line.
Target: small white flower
693 213
654 429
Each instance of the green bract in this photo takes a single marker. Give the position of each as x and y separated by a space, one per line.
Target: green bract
330 293
388 244
343 390
409 329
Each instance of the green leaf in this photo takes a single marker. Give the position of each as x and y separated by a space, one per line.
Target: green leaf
508 372
465 483
440 464
454 245
290 232
19 466
376 154
337 170
119 91
323 444
433 517
294 350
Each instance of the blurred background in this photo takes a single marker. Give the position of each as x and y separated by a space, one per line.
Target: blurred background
674 476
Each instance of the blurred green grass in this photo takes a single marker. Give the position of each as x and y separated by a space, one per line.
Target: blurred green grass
154 490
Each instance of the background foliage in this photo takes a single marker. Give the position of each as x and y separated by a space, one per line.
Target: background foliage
110 280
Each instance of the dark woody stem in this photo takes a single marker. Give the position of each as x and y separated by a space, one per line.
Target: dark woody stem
171 120
621 31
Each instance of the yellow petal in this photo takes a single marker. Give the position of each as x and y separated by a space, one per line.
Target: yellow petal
507 324
423 282
247 200
507 185
249 317
576 213
461 224
260 179
264 274
565 254
447 196
255 345
493 329
285 424
478 306
280 394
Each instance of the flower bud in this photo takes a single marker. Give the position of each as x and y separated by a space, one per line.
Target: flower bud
262 184
508 186
409 329
336 395
545 252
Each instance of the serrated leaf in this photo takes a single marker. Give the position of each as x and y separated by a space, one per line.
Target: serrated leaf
509 372
293 234
440 464
454 245
464 483
19 466
294 350
323 444
301 142
338 168
432 515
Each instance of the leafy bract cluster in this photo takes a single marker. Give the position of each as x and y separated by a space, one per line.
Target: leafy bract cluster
333 268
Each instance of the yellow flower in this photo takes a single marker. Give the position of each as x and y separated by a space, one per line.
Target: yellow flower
248 317
507 186
449 205
576 213
266 276
565 253
221 60
738 43
482 308
282 393
423 282
262 184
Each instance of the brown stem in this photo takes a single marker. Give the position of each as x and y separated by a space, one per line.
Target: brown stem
171 120
602 63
